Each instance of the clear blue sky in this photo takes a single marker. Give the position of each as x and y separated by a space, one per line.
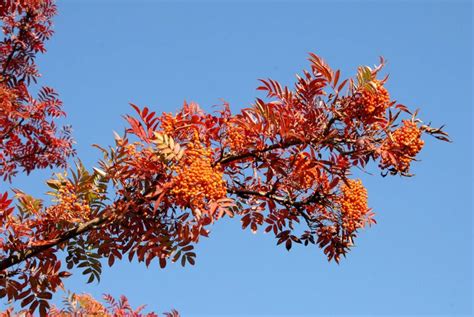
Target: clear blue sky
416 260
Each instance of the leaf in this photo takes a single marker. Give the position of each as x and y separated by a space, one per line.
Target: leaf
167 148
288 244
91 279
43 308
341 86
27 300
64 274
45 295
336 77
33 306
99 172
163 263
54 184
111 260
334 182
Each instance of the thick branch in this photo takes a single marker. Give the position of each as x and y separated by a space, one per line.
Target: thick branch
31 252
282 145
93 224
243 193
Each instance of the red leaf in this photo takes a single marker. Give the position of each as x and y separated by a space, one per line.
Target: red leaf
162 263
288 244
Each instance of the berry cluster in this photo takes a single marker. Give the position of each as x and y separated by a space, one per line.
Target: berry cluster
353 203
168 123
67 200
197 182
236 137
404 144
369 104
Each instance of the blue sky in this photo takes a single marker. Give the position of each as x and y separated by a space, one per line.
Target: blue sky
416 260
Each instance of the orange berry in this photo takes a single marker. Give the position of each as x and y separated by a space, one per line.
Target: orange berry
353 204
196 181
368 105
405 144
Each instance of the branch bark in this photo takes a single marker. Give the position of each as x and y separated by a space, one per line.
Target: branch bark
298 205
232 158
82 228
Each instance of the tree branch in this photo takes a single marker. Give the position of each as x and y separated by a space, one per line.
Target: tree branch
100 220
243 193
31 252
232 158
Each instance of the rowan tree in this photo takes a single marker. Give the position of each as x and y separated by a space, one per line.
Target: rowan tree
283 165
29 136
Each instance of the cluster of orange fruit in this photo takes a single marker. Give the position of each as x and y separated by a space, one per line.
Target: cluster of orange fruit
236 137
196 181
404 144
70 207
368 104
353 202
168 123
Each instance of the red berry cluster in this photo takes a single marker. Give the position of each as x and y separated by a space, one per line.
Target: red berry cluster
404 144
369 104
197 182
353 202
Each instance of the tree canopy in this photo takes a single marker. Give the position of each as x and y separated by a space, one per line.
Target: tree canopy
282 165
